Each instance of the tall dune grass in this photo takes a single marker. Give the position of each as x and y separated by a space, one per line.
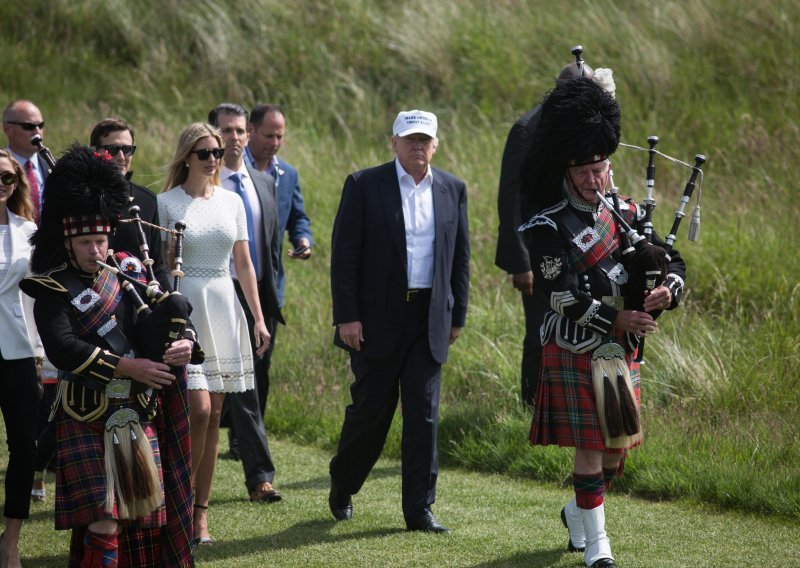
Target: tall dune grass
714 77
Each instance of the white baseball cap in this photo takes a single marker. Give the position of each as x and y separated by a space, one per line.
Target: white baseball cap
415 122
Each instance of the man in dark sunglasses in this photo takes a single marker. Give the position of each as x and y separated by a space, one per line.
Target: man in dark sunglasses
115 137
22 120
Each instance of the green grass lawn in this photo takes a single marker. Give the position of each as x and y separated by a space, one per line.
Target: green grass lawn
496 521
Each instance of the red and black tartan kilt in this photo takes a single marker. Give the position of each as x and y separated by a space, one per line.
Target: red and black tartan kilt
174 436
566 412
139 547
81 475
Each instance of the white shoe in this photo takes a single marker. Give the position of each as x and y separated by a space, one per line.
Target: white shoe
573 521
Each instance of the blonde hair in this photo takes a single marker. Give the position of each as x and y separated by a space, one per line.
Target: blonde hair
177 170
20 201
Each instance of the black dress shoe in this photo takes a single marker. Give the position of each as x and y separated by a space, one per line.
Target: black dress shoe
425 522
341 504
604 563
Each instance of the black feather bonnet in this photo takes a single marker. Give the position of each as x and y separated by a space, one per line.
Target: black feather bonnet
84 194
579 124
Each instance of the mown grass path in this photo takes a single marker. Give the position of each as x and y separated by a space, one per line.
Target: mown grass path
497 522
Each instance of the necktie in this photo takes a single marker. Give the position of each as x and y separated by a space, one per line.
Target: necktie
273 171
34 183
251 233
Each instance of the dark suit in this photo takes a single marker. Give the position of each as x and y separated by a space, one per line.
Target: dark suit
44 168
512 246
404 343
245 410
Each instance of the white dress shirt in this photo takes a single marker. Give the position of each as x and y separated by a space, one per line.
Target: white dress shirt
418 215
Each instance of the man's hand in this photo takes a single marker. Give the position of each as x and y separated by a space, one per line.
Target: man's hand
351 334
151 373
303 250
179 353
632 321
659 298
455 332
523 282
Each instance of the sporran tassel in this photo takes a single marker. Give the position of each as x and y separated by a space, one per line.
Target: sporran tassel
612 409
119 480
628 410
613 399
132 479
148 484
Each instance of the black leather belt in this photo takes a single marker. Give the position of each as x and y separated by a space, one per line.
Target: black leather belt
418 294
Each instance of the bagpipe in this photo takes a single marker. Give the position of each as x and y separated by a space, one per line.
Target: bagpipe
645 260
160 318
646 263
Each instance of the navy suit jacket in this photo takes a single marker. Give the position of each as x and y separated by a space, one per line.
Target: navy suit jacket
291 213
369 264
271 252
292 216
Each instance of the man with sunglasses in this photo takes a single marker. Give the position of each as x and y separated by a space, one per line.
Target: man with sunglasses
22 120
115 137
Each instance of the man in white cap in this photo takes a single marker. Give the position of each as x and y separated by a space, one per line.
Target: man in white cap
399 281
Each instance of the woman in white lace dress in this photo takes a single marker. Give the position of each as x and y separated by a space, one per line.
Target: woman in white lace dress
216 227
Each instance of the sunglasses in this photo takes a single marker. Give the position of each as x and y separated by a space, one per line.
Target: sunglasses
8 178
28 125
113 149
205 153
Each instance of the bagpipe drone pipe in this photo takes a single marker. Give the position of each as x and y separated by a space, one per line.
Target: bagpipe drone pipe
645 258
161 316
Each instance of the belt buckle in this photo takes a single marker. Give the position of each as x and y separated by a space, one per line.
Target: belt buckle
410 294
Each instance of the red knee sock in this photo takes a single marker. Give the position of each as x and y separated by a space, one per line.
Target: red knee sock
99 550
589 489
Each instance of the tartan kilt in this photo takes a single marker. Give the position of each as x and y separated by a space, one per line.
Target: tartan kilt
81 474
174 438
566 413
139 547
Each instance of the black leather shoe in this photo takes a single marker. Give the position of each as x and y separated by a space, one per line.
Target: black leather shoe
341 504
425 522
604 563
